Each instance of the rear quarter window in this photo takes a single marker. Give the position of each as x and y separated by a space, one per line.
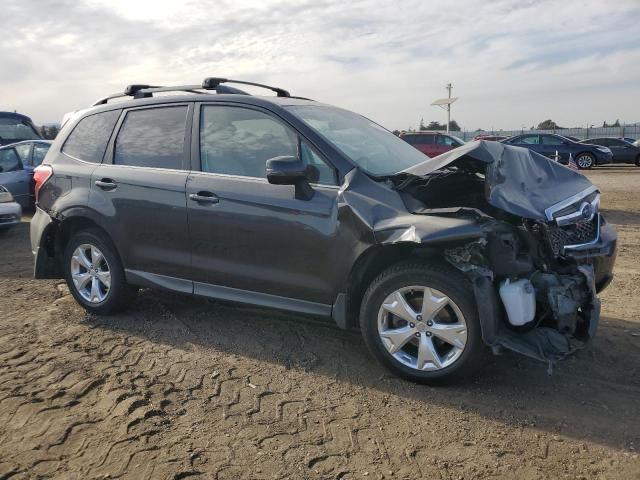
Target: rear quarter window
89 138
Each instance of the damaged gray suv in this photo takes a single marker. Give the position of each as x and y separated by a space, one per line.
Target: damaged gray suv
283 202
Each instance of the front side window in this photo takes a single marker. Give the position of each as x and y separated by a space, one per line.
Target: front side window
425 139
449 141
9 160
89 138
367 144
39 152
239 141
528 140
152 138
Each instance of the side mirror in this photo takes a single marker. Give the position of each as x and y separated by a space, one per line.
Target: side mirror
290 170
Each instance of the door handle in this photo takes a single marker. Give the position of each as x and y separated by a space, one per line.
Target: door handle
106 184
204 197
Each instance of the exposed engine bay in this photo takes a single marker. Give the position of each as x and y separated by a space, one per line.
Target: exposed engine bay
544 253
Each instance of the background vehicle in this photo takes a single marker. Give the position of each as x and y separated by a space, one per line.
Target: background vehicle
622 150
491 138
547 144
431 144
15 127
286 203
10 211
17 162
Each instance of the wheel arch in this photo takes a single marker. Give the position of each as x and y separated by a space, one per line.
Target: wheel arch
72 221
369 265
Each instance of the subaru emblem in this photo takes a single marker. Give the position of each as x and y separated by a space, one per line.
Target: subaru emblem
587 211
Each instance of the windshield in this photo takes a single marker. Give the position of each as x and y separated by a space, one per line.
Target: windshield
15 129
371 147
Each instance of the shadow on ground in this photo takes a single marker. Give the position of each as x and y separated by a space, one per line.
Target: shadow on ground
592 395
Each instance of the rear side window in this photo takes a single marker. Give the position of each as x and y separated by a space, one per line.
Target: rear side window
24 151
89 138
152 138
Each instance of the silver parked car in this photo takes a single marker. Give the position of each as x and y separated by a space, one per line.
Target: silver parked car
10 210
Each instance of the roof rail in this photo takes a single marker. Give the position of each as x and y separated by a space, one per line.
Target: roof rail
213 82
208 84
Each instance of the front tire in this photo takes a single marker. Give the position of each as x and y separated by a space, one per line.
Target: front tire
585 161
421 322
94 273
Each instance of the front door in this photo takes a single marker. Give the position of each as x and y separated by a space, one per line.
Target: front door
250 238
140 188
622 151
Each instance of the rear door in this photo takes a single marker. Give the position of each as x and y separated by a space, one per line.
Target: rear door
249 238
552 144
140 188
14 177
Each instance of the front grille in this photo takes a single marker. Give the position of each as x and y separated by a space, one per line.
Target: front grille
574 234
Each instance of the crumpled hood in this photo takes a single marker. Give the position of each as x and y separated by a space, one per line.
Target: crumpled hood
518 180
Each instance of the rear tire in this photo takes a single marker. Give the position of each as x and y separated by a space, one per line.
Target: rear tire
94 273
638 161
415 343
585 161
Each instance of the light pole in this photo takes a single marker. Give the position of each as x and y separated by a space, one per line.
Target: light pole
446 104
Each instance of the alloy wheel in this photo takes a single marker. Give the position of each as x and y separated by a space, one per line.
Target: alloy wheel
422 328
90 273
584 161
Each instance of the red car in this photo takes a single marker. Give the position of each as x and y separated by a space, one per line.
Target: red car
493 138
431 143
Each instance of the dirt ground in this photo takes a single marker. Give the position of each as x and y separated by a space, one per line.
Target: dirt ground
182 387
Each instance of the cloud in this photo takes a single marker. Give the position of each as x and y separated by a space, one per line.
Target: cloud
512 63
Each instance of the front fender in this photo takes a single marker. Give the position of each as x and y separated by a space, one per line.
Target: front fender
428 230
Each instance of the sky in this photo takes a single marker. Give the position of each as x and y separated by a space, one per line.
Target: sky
512 63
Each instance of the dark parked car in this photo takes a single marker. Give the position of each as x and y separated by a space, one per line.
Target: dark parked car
490 138
547 144
15 127
287 203
431 144
17 162
623 151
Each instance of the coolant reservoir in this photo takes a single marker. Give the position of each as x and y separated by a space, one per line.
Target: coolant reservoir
519 299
